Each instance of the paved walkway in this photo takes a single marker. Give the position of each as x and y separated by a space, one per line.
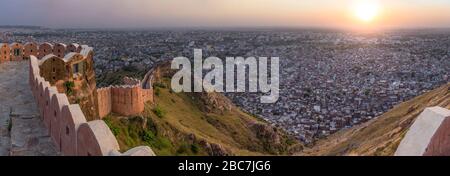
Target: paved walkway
21 130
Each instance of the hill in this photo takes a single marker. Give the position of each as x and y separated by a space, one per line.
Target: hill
382 135
198 124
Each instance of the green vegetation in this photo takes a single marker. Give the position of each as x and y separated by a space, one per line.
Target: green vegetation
69 87
159 111
115 130
134 131
157 91
230 129
178 125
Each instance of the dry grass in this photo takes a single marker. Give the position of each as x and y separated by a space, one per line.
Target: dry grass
380 136
183 117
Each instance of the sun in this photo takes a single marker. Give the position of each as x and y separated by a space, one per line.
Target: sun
366 10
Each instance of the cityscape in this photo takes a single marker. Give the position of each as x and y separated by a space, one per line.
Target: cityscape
329 79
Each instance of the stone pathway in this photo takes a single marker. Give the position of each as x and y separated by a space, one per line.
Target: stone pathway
21 130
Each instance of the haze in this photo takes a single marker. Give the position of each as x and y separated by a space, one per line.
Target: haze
220 13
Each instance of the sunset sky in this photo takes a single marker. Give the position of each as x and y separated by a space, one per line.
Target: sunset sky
226 13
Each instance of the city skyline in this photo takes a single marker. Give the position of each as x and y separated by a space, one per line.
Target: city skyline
372 14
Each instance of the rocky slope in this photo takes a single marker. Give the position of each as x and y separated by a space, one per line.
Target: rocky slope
198 124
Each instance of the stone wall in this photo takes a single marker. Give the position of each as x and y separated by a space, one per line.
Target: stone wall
18 51
128 99
67 125
104 101
429 135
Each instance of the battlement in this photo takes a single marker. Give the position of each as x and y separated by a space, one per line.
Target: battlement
18 51
68 127
62 75
70 69
128 99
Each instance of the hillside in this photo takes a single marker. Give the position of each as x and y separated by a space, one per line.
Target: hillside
380 136
198 124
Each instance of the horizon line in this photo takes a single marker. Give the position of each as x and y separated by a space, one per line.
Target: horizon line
261 27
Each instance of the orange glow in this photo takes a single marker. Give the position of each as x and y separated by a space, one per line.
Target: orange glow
366 11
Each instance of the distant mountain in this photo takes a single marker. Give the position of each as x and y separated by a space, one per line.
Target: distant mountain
382 135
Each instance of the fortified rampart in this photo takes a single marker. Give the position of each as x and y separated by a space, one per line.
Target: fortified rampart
18 51
60 75
128 99
70 69
67 125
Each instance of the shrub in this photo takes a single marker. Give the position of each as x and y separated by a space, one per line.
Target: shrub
115 130
159 111
147 136
69 87
195 148
163 143
157 92
183 149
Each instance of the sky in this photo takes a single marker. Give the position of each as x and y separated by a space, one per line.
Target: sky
222 13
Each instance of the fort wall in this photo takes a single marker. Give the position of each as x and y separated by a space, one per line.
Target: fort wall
18 51
54 64
67 125
72 133
104 101
429 135
128 99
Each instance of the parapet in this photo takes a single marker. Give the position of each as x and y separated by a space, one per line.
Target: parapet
68 126
128 99
17 51
429 135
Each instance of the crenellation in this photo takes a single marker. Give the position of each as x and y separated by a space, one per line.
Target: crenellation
58 102
74 47
44 49
72 119
48 94
5 53
67 124
127 99
96 139
16 51
30 49
59 49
